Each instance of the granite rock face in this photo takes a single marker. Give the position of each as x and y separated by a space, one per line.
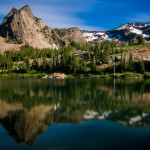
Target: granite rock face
22 26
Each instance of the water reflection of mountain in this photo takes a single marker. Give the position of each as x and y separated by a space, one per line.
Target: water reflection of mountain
29 107
25 124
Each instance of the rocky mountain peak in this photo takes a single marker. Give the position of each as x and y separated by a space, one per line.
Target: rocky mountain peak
28 10
10 14
14 10
21 26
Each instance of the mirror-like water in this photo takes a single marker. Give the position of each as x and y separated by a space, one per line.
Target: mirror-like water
74 114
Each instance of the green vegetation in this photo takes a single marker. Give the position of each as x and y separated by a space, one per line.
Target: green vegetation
87 60
37 20
137 41
141 40
19 75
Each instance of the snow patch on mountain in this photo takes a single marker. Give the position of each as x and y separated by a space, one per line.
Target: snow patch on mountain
146 36
91 36
122 27
106 37
136 31
100 33
122 33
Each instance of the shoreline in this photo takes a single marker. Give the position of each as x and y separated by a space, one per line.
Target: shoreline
125 75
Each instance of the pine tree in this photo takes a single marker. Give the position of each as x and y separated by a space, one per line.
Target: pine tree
140 40
122 64
131 43
142 66
27 64
93 65
131 63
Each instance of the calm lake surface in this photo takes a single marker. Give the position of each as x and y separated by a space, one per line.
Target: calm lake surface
74 114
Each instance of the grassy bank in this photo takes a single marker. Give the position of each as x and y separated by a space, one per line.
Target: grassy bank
22 76
125 75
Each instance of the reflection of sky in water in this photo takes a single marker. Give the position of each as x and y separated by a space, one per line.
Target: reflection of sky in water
86 135
7 142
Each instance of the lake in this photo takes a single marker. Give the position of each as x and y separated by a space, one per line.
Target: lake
74 114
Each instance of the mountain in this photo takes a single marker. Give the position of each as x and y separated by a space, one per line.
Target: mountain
20 27
23 27
66 36
122 33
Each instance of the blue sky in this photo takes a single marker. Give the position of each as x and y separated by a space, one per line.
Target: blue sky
85 14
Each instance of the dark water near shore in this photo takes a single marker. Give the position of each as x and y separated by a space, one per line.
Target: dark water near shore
74 114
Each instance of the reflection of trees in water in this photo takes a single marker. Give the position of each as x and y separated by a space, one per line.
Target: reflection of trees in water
131 91
30 106
98 93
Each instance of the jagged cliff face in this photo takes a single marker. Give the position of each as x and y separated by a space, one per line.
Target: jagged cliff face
22 26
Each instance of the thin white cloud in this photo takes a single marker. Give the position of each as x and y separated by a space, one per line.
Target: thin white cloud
66 21
140 18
